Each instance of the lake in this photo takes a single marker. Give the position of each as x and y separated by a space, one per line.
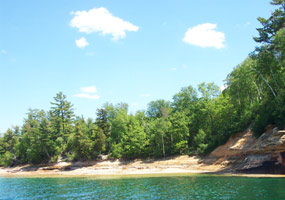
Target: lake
173 187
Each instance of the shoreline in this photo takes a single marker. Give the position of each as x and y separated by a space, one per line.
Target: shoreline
171 166
139 175
146 175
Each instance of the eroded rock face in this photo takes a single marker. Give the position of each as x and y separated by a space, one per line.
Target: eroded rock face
268 151
270 146
252 161
273 141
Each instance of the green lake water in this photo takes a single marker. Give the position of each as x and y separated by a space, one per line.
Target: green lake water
174 187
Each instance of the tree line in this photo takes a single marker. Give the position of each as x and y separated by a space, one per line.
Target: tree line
196 121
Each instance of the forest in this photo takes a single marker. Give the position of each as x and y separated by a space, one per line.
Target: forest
195 121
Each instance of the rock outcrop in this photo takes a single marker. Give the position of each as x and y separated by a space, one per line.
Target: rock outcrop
268 142
248 154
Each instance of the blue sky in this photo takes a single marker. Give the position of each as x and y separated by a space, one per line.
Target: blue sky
98 51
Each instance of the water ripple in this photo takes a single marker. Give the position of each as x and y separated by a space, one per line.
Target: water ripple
182 187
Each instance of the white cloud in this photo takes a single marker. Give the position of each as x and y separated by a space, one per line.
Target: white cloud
145 95
101 20
90 89
88 93
87 96
205 35
3 51
81 43
173 69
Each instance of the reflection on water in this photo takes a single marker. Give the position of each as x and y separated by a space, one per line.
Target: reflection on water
182 187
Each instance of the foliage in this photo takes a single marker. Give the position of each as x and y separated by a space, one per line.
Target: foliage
199 141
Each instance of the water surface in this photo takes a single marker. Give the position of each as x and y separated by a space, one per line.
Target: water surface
180 187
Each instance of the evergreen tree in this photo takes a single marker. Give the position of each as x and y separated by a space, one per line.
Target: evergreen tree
62 116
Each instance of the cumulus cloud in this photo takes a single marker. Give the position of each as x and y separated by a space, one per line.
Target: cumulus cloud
87 96
102 21
90 89
205 35
88 93
81 43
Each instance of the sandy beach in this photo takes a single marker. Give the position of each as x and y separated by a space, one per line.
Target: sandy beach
179 165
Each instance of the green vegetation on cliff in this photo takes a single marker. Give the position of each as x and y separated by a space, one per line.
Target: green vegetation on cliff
195 121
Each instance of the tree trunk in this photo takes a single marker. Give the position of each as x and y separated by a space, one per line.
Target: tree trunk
162 140
45 149
258 91
274 94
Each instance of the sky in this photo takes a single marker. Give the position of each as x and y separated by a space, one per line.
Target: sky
98 51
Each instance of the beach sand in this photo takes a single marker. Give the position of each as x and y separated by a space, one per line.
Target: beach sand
178 165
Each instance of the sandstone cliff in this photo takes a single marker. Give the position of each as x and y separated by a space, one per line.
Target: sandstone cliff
244 153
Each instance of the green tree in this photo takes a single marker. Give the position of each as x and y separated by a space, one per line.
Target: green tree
134 140
155 108
79 143
100 141
199 141
159 128
179 133
62 116
8 148
119 128
104 130
36 141
185 100
273 24
102 121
